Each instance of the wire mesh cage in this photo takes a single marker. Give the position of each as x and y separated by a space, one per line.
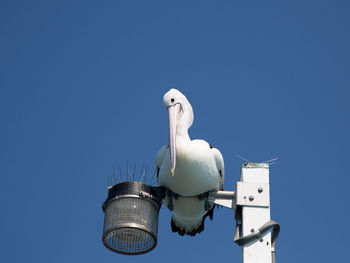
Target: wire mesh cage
131 218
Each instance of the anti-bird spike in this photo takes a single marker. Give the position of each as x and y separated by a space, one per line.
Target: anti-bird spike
133 174
116 174
244 159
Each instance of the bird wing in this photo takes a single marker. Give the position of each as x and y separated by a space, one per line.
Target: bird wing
219 160
159 159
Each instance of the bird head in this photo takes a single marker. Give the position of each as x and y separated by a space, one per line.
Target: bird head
180 119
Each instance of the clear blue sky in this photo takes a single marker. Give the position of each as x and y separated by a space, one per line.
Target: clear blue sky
81 87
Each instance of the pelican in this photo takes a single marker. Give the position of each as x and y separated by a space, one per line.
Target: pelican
187 168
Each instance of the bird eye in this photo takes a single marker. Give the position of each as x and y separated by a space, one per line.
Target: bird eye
172 100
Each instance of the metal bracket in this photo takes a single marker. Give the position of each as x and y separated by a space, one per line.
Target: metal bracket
223 198
252 194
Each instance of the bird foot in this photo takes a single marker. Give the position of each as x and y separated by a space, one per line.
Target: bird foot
170 195
204 197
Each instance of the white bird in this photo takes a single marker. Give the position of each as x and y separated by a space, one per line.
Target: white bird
189 169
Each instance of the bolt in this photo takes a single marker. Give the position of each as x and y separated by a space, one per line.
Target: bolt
261 240
251 198
252 230
260 190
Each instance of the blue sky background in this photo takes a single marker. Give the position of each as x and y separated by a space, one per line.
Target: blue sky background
81 87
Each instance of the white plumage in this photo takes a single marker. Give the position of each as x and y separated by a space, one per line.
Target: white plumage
188 168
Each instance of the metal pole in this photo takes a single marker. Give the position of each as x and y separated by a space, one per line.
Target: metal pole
255 232
253 194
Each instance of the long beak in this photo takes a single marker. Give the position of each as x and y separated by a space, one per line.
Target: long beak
173 115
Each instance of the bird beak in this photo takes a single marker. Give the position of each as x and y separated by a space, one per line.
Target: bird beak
173 111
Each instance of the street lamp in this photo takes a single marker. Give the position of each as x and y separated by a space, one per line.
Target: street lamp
131 217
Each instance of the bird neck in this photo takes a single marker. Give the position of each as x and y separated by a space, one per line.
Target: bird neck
184 123
182 134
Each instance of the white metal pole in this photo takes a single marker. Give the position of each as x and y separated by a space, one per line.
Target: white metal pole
253 194
251 202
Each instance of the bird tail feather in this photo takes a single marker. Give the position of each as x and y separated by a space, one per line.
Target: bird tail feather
194 229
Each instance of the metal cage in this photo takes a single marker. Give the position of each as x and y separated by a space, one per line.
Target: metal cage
131 218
